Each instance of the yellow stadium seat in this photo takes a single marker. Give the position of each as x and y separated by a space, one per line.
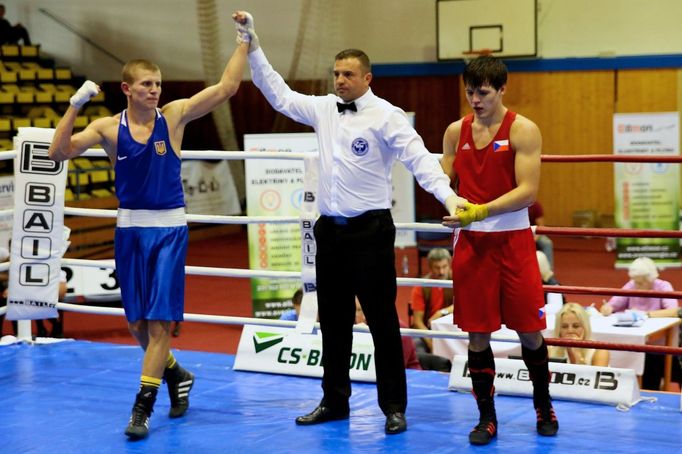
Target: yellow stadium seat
7 75
30 51
43 122
62 74
6 97
83 163
6 145
44 96
25 95
68 195
101 193
21 122
10 50
99 176
45 73
5 124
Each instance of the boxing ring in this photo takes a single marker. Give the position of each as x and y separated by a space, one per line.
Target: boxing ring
74 395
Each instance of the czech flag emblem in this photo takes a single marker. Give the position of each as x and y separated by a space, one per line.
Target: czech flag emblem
501 145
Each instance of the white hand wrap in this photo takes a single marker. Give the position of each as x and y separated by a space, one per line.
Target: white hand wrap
83 95
246 33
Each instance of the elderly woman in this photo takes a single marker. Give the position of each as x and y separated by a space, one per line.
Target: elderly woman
643 276
573 322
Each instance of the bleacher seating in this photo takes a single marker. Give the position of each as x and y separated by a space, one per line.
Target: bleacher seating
35 92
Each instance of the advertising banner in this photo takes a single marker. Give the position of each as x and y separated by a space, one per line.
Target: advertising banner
607 385
284 351
38 231
647 195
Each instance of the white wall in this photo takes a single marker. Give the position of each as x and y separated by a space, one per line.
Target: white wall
390 31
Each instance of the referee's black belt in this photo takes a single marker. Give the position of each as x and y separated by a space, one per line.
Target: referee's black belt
342 220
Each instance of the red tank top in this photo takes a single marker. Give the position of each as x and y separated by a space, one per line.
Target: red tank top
485 174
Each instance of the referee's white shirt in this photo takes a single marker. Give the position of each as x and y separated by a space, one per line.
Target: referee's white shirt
357 149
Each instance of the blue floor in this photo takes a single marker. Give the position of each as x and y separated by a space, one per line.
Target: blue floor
75 397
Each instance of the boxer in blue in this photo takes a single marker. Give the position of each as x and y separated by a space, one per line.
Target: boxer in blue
143 143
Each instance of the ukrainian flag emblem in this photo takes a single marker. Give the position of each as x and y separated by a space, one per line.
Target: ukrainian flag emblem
501 145
160 147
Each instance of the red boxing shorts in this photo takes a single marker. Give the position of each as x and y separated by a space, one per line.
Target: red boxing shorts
496 280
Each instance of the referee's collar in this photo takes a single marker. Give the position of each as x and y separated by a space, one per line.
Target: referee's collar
362 101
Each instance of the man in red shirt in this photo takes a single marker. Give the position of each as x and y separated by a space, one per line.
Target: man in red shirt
494 156
429 303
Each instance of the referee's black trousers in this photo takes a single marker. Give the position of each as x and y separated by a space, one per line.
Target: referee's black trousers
355 256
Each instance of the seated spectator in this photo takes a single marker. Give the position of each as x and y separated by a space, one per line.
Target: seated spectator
409 352
430 303
644 276
543 243
547 273
573 322
11 34
292 314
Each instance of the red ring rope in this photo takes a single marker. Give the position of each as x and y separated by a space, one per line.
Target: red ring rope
662 349
575 290
609 158
608 232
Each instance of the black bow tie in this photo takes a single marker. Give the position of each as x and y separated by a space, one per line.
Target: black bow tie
350 106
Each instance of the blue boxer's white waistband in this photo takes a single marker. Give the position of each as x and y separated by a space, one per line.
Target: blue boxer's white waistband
174 217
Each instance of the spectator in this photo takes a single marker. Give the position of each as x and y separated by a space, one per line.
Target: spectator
573 322
547 273
292 314
543 243
11 34
429 303
644 276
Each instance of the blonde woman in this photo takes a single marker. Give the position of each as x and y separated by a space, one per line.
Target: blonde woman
573 322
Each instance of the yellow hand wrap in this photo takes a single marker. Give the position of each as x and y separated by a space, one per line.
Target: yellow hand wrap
471 212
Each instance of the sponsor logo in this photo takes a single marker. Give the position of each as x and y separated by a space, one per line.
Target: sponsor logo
263 341
466 146
160 147
121 158
359 147
604 380
635 128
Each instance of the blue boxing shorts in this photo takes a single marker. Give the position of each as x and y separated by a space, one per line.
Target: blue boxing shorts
150 248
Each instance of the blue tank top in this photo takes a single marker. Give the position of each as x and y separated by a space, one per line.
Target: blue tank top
147 175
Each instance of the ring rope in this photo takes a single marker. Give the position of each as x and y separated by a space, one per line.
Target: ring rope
662 349
401 281
230 320
610 158
576 290
608 232
234 155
